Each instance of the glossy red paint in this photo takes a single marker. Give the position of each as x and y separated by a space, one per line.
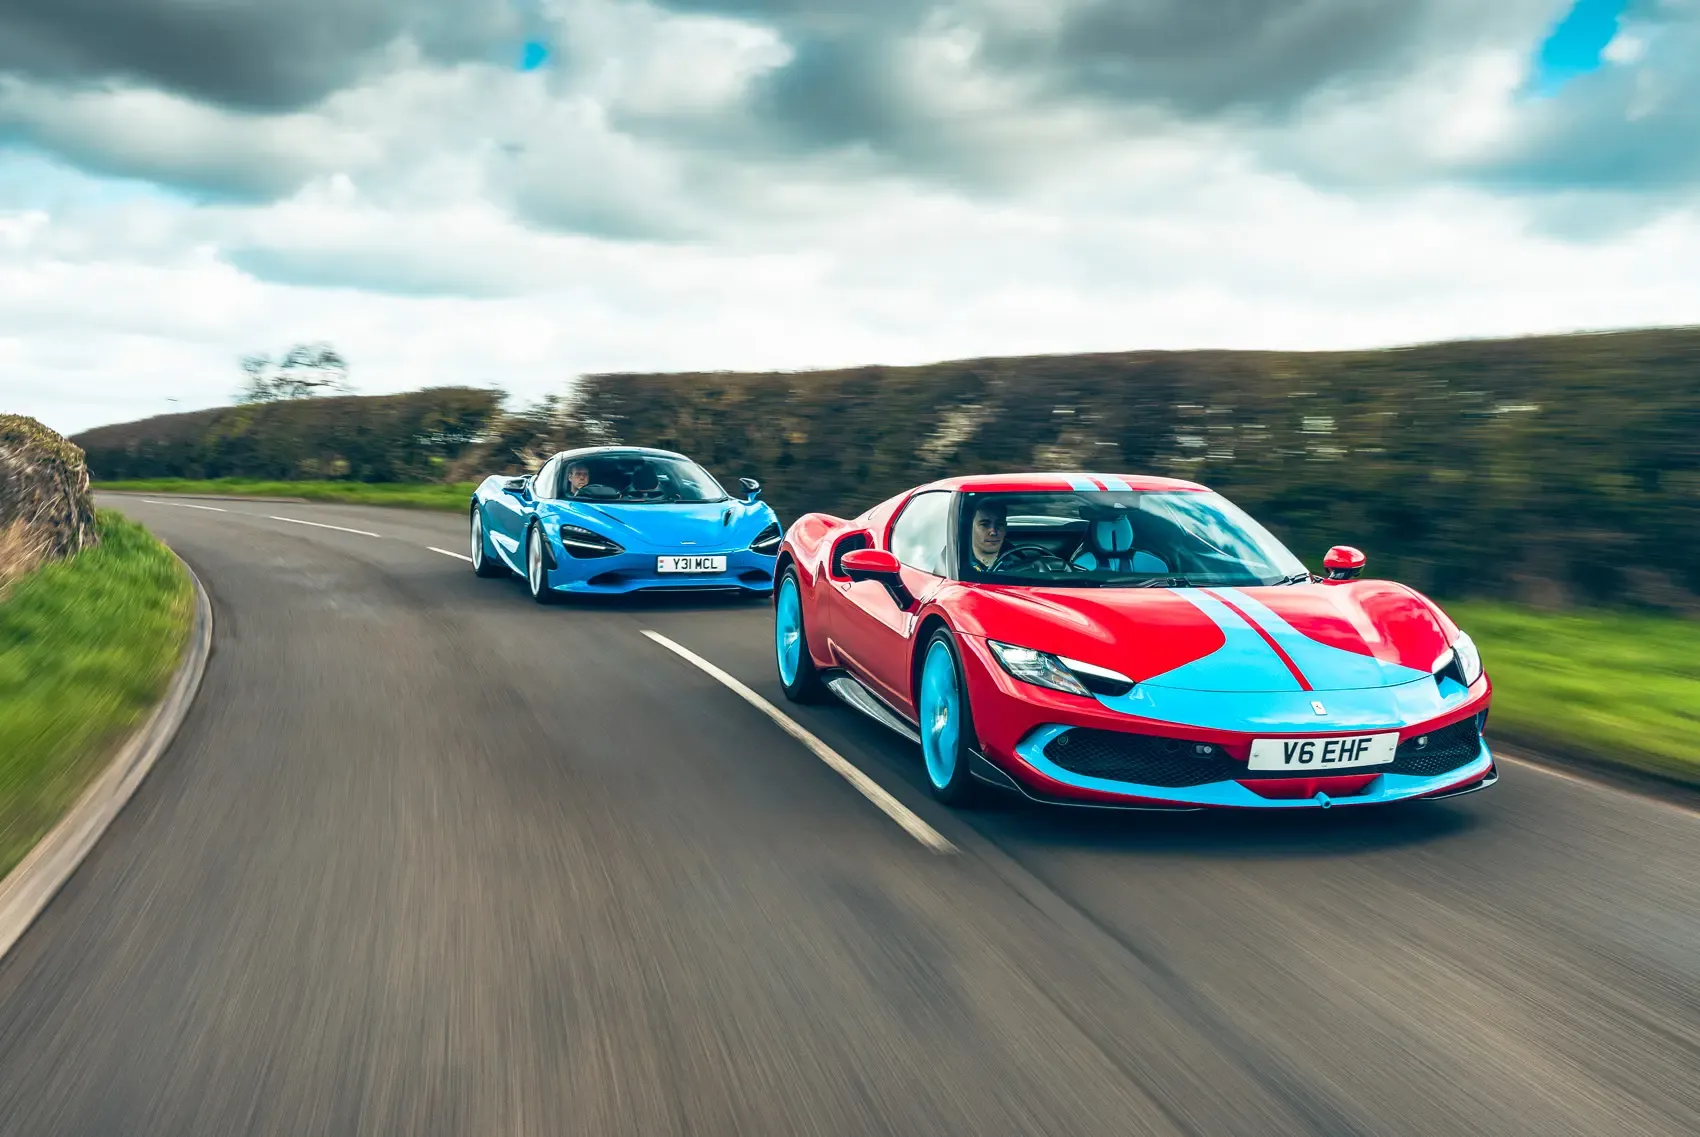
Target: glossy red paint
1297 789
1342 562
1141 633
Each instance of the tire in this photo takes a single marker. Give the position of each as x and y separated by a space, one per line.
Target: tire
536 568
946 721
483 564
797 674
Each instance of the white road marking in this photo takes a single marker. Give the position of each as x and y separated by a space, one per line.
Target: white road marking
869 788
184 505
448 553
322 525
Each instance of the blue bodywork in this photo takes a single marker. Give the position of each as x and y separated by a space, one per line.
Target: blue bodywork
642 532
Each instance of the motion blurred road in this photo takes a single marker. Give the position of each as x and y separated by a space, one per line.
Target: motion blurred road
429 859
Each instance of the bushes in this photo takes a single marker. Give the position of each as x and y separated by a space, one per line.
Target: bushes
382 438
1558 470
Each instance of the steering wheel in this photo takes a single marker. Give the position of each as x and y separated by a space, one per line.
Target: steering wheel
1023 556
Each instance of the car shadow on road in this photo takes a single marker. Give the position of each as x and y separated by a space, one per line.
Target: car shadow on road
662 601
1340 831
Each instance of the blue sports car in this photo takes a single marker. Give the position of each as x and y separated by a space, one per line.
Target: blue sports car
617 519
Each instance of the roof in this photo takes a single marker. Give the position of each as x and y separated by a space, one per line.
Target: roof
1062 481
595 451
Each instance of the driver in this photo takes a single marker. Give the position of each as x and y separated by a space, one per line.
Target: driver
991 524
578 476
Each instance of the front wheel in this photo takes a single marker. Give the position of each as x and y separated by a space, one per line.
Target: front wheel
482 562
536 569
797 674
947 724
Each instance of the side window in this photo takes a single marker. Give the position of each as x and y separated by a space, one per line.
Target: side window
918 539
543 486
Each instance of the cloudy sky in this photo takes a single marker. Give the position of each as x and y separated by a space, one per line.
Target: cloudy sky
515 192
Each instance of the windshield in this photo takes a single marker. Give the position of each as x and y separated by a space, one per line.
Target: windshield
637 478
1098 539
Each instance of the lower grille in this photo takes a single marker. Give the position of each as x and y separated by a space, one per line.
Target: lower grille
1153 760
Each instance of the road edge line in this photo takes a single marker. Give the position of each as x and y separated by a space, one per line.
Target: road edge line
906 818
33 883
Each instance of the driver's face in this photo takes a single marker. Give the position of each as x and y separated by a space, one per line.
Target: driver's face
988 535
579 477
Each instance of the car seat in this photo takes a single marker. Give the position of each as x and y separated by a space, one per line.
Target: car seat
644 481
1109 546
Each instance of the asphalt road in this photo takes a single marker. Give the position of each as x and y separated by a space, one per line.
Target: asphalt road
429 859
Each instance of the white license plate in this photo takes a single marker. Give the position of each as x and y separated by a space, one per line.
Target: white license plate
1308 755
690 564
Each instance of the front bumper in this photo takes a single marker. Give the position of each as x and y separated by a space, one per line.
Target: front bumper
1017 724
634 571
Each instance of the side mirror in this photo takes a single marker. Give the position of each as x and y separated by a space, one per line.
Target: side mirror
878 565
520 485
1343 563
752 488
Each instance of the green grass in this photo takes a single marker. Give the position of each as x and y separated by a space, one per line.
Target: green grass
87 647
1617 686
414 495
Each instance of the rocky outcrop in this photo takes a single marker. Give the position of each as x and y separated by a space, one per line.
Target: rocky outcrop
46 511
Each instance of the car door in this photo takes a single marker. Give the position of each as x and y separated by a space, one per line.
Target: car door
871 631
506 514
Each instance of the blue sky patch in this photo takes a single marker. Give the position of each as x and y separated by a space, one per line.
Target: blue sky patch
1576 42
534 55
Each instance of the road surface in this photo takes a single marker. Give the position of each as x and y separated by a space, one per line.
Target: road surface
429 859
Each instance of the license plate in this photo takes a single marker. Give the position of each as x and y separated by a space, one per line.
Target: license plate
690 564
1308 755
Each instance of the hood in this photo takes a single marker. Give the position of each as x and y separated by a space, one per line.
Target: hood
1307 637
701 525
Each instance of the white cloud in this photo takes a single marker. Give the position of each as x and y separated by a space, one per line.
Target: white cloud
622 209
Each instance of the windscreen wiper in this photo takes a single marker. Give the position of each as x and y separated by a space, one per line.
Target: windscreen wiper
1164 582
1296 578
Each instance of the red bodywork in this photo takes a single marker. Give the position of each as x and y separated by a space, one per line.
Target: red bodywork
859 628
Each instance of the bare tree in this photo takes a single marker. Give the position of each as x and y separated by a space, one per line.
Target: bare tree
305 371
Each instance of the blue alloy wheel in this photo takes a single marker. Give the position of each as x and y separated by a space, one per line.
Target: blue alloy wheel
941 714
788 630
946 721
797 674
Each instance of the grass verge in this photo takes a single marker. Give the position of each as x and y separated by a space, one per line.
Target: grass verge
1616 687
413 495
87 648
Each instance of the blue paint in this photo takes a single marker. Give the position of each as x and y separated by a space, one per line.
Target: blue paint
1576 43
788 631
534 55
941 715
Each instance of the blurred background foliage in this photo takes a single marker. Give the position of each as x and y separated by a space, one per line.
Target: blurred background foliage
1554 471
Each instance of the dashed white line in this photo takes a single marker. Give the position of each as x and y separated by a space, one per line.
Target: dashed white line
870 789
450 553
322 525
184 505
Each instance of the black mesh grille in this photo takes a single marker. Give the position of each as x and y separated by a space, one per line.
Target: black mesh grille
1143 758
1438 752
1151 760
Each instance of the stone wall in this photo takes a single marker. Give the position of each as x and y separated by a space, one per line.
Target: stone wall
46 511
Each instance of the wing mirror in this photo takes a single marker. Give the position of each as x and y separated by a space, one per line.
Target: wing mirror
1343 563
752 488
878 565
520 485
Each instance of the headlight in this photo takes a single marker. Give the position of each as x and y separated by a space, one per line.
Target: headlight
1057 673
1462 661
1469 658
767 541
583 543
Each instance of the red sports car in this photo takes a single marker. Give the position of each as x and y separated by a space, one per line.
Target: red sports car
1132 642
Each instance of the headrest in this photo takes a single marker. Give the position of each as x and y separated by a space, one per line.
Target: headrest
1113 535
643 478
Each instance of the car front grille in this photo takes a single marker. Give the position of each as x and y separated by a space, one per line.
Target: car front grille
1153 760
